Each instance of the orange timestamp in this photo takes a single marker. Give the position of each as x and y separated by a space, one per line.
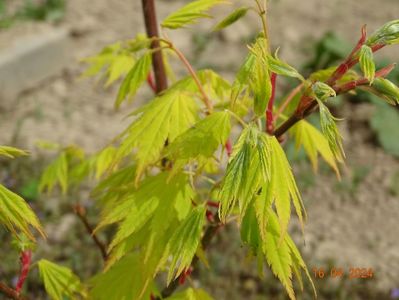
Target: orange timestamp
338 272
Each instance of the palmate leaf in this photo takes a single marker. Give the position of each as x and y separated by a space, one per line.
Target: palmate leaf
115 60
134 79
282 256
60 282
282 187
314 143
330 131
259 77
191 294
183 244
248 167
11 152
278 256
149 203
55 174
123 281
266 241
190 13
16 215
203 138
232 18
163 119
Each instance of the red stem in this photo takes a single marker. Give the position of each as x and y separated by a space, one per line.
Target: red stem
269 111
25 259
10 293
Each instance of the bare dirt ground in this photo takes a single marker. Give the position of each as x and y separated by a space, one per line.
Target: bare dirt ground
349 227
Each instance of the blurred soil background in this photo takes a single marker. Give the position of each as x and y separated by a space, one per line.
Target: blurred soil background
351 223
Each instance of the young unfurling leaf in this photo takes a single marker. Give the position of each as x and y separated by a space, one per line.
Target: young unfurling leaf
330 131
366 62
133 80
189 13
60 282
386 35
248 168
323 91
282 68
243 76
16 215
232 18
386 89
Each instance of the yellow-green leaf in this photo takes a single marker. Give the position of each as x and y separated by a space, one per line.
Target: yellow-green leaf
12 152
104 160
189 13
183 244
123 281
248 168
282 187
162 119
60 282
16 214
259 77
191 294
133 80
55 173
280 67
203 138
314 143
278 255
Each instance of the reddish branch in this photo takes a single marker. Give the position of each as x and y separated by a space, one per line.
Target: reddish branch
25 259
81 213
10 293
151 26
307 104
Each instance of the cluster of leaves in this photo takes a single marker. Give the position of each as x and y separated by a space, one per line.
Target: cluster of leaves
15 213
385 120
156 179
